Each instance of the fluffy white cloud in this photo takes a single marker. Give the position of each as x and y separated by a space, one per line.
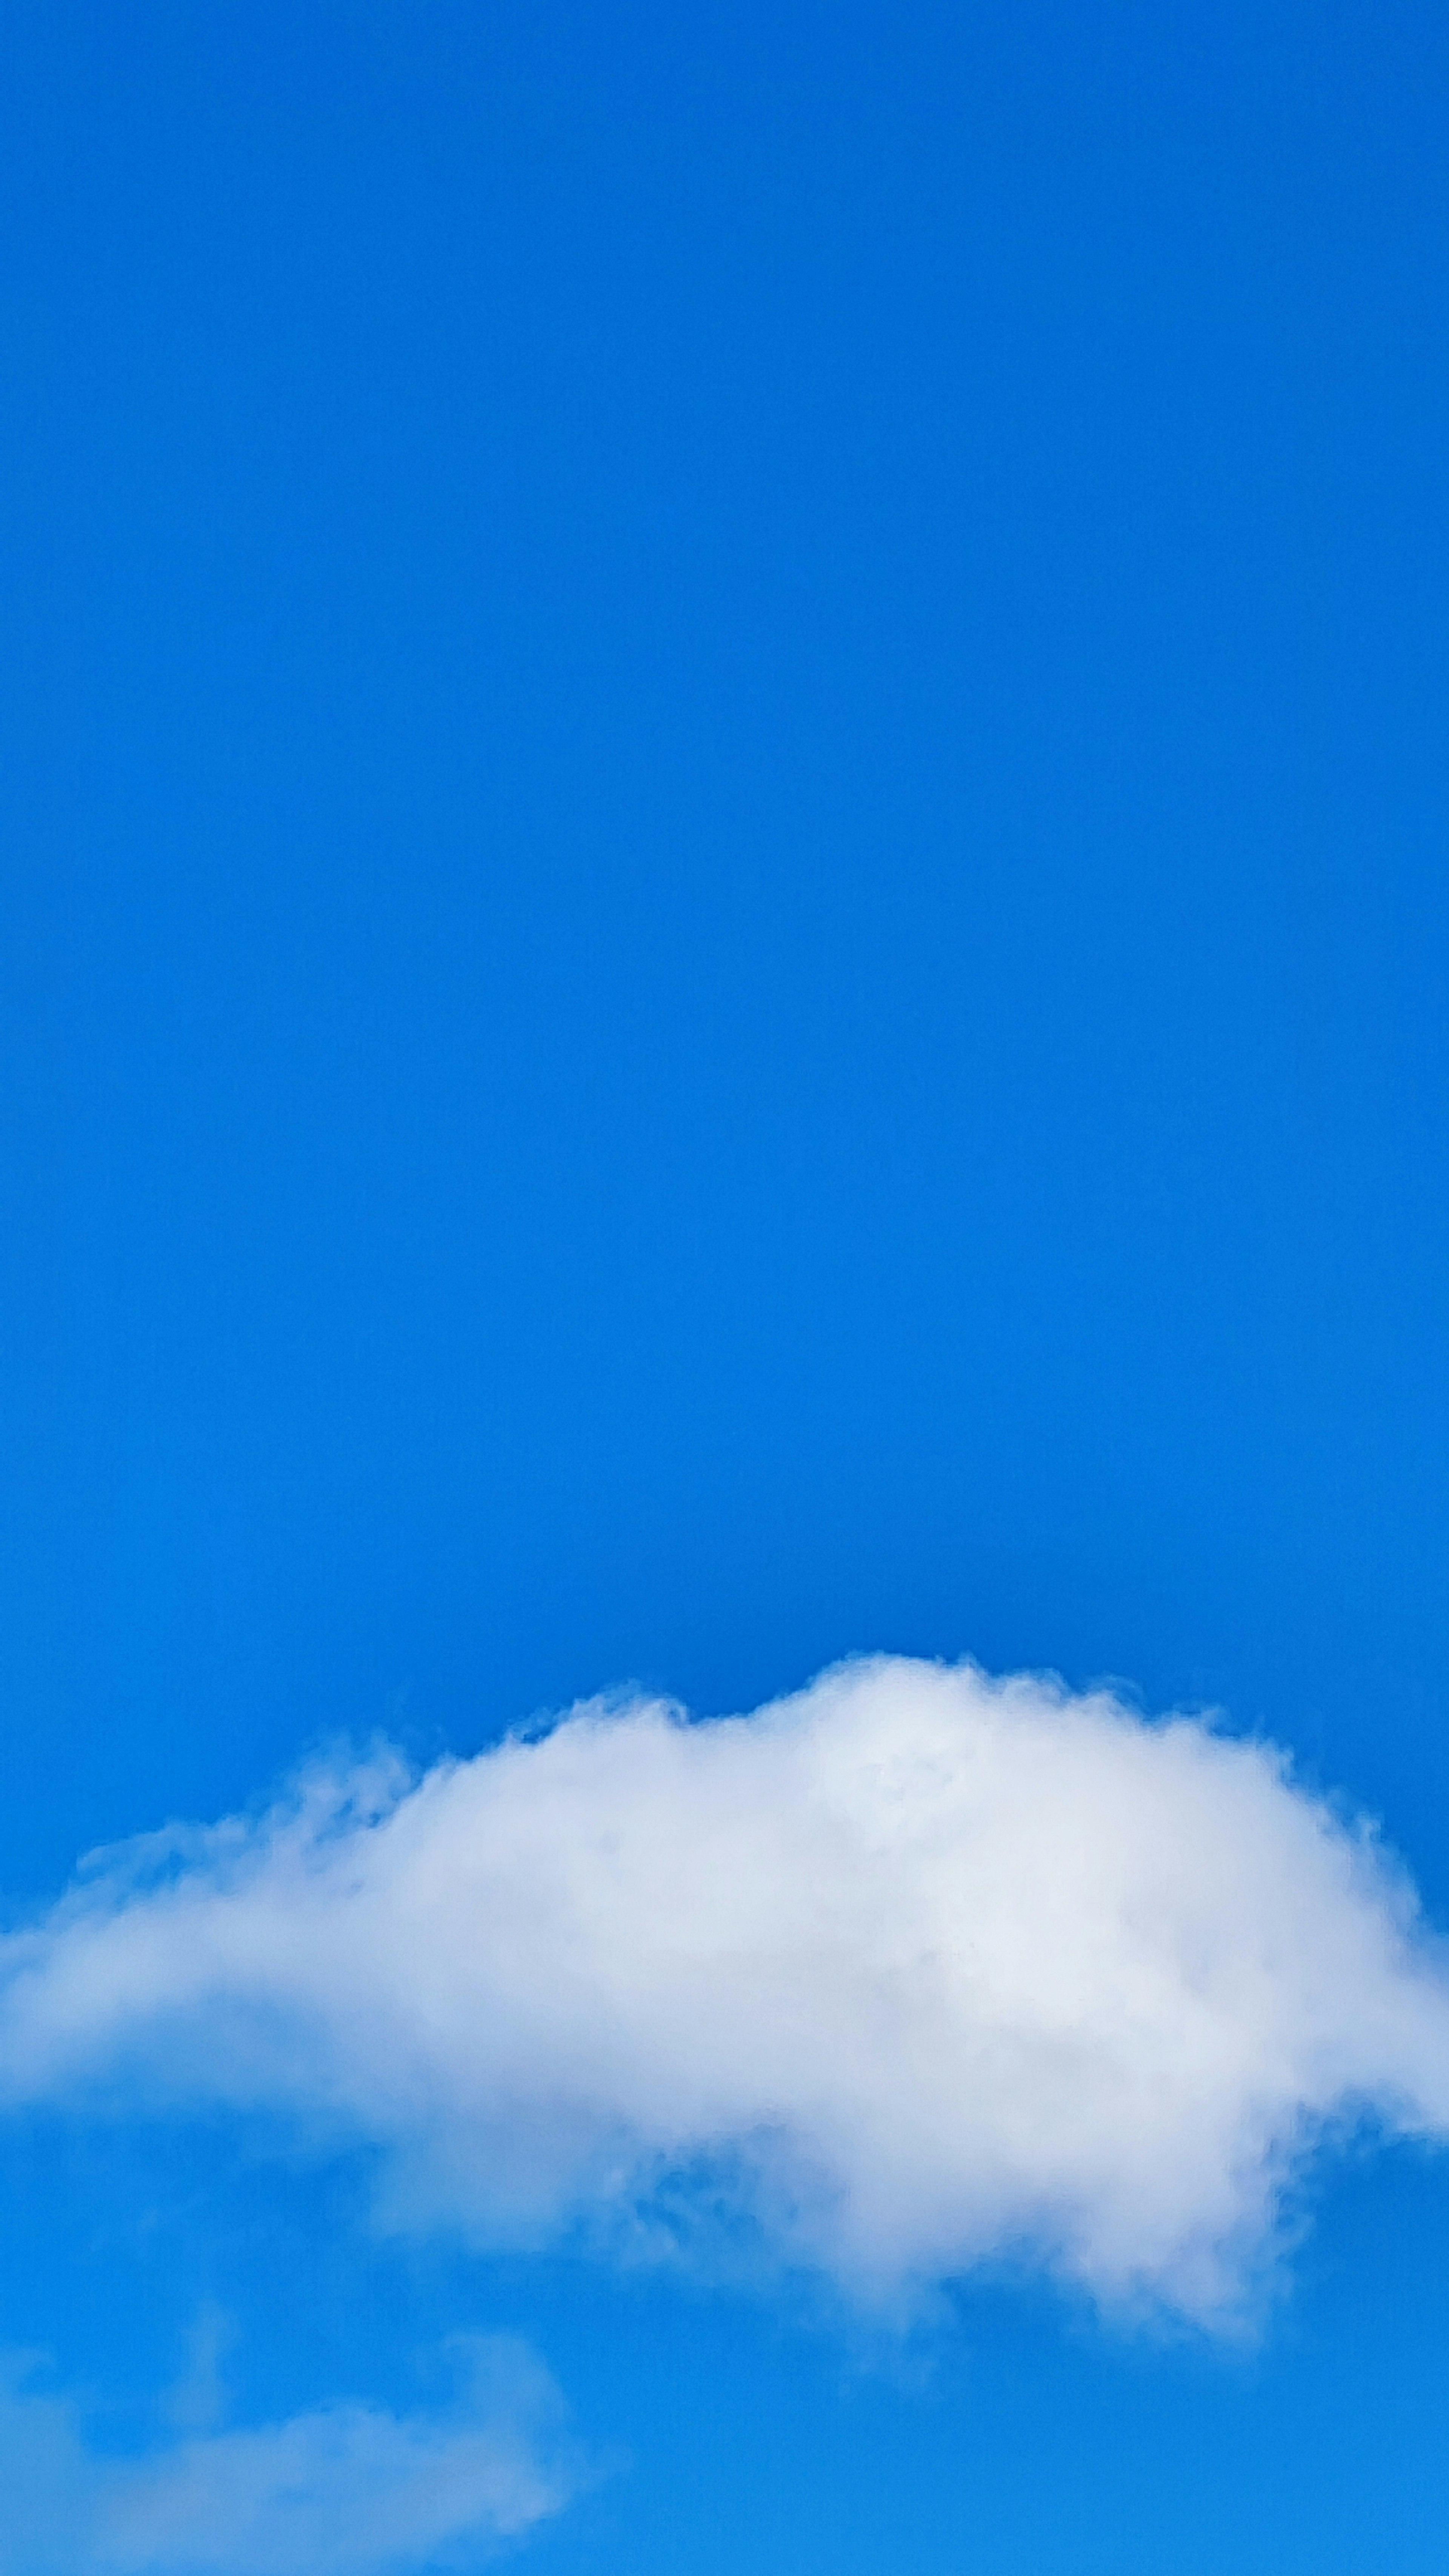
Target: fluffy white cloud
911 1969
347 2490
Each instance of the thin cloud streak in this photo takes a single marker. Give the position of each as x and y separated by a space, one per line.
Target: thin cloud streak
911 1970
345 2490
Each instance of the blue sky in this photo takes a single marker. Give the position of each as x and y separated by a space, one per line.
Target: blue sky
725 932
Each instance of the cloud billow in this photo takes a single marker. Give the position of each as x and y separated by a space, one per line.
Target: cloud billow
912 1970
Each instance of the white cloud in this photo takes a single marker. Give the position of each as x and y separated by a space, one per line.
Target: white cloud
912 1969
347 2490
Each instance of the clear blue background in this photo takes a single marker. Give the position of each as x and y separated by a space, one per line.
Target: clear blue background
722 770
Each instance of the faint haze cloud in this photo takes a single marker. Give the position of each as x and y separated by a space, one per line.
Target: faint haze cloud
345 2490
911 1970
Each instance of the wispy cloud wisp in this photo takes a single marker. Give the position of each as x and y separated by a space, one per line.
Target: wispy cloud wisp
346 2490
